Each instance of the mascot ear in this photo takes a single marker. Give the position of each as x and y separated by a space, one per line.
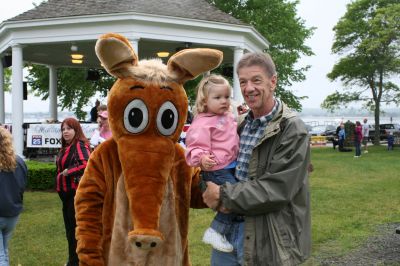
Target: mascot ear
116 54
189 63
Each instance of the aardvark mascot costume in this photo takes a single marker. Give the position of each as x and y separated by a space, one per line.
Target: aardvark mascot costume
132 204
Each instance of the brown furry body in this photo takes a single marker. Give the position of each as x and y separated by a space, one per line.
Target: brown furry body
132 204
107 224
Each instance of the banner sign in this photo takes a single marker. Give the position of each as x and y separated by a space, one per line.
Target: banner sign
49 135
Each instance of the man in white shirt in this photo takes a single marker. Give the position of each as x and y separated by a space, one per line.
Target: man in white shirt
365 132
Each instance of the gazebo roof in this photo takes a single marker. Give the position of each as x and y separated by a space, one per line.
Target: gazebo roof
51 32
192 9
47 31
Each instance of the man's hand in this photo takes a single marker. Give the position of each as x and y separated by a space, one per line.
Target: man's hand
211 195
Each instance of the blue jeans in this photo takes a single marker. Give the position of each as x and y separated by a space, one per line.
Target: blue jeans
222 222
234 258
341 144
357 143
7 225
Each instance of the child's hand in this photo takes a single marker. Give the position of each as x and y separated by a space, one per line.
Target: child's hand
207 161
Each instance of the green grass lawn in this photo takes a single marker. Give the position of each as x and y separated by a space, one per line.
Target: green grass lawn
350 197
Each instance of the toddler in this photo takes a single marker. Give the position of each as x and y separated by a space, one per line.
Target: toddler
213 143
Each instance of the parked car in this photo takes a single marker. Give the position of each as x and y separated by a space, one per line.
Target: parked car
384 130
308 127
328 131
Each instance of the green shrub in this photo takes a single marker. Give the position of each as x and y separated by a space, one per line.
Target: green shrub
349 128
41 176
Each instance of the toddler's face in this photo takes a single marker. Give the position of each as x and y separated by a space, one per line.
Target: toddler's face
218 101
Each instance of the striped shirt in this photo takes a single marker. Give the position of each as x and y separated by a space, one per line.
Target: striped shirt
249 137
74 158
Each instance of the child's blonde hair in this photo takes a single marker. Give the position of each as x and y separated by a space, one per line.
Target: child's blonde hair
203 89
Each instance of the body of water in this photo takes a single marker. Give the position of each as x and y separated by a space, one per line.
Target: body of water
312 120
41 117
336 120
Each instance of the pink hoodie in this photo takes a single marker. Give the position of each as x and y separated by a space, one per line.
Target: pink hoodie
215 134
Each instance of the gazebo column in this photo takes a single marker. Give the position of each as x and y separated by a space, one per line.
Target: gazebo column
135 44
17 115
2 105
237 94
53 92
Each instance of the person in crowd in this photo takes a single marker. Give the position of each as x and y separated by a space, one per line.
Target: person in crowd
103 131
94 112
212 143
272 166
341 136
335 141
102 108
13 179
189 117
365 133
71 163
358 138
390 140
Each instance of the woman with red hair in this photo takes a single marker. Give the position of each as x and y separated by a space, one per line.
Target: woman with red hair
71 163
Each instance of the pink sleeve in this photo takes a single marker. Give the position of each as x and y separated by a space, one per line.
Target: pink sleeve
198 143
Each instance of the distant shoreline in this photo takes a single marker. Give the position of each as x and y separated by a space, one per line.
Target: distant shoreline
308 115
335 120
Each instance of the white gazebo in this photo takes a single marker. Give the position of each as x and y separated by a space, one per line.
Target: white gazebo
50 32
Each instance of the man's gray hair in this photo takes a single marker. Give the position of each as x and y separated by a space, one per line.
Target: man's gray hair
263 60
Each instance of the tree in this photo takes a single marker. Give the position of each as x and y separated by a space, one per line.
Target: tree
276 20
73 90
7 79
368 38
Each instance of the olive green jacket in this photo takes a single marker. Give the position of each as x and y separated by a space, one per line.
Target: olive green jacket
275 199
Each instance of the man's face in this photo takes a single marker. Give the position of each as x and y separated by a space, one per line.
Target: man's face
257 89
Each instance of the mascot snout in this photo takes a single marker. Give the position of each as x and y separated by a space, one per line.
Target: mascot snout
146 168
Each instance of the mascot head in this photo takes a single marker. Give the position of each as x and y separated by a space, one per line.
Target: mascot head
147 109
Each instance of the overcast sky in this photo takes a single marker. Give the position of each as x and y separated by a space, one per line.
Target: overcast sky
323 15
317 13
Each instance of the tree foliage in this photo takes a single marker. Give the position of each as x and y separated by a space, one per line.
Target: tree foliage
277 21
7 79
73 90
368 39
274 19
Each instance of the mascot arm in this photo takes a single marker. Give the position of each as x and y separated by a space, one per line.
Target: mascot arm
196 199
188 179
89 201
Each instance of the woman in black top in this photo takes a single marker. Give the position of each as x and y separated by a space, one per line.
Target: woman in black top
71 163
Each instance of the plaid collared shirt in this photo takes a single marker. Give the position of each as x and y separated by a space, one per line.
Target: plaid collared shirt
251 134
